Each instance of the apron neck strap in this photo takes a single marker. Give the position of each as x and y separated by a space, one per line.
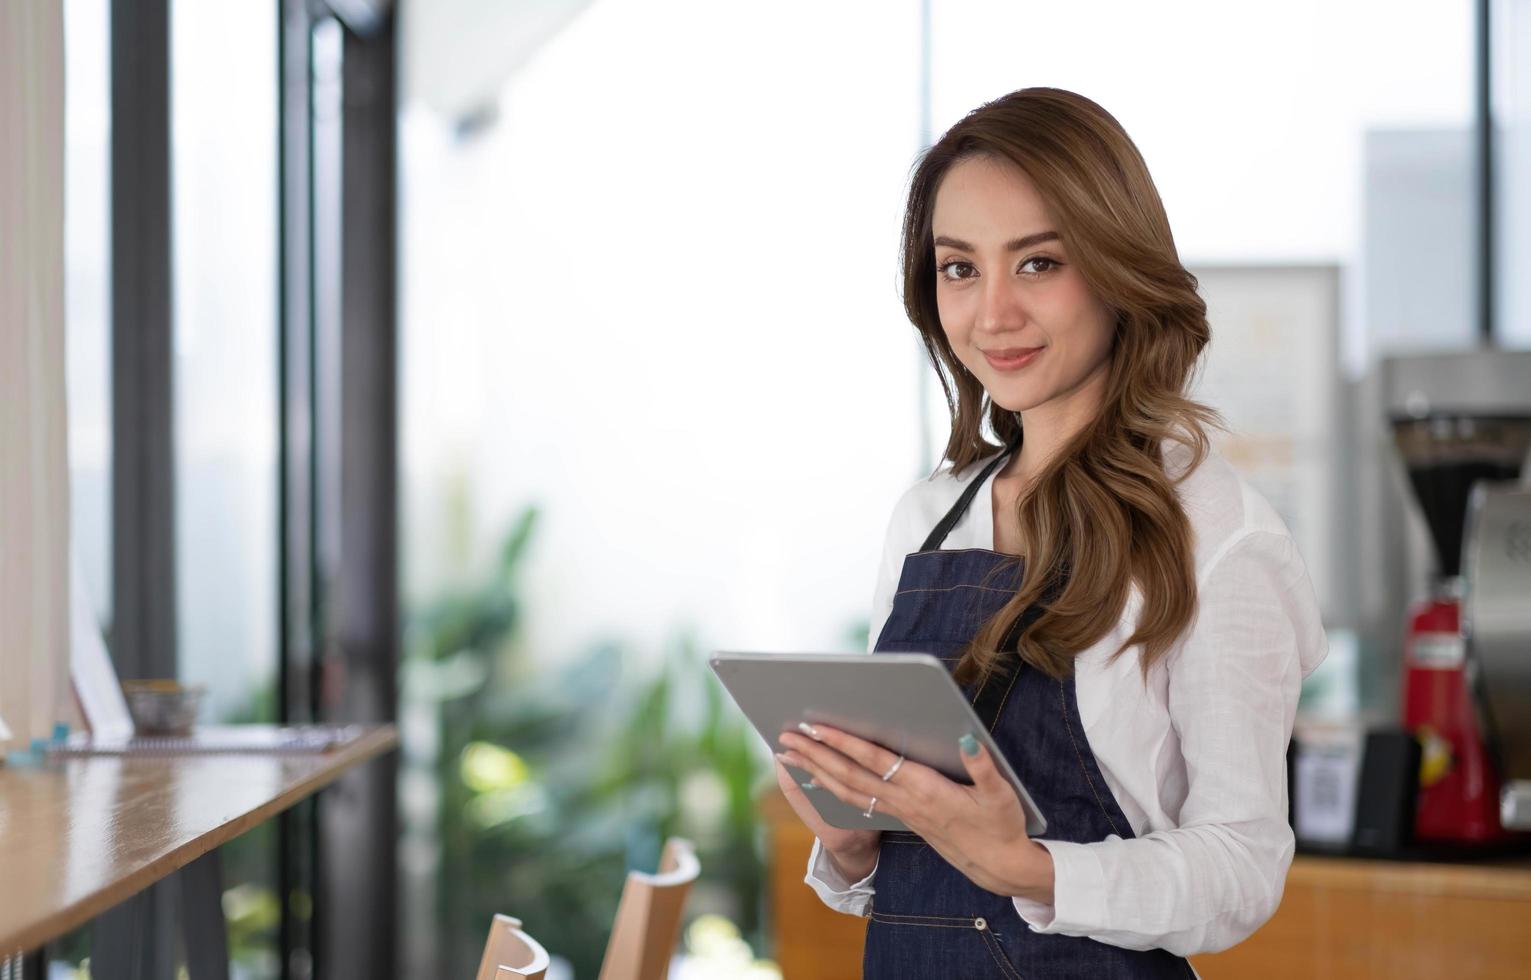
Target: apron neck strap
938 534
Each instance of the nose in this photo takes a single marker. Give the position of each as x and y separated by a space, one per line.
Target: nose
1000 307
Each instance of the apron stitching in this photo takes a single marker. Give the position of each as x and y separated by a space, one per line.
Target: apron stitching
1014 676
998 953
954 551
937 922
953 588
1082 767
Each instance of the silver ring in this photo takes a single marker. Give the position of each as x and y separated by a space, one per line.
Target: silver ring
892 769
868 811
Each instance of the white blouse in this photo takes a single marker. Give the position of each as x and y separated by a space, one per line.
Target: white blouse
1196 759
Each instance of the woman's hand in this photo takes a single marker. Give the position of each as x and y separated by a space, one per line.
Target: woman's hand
853 851
979 829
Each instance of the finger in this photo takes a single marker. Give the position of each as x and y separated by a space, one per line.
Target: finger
790 758
871 756
847 771
980 767
782 775
913 781
848 795
805 809
830 766
799 776
794 792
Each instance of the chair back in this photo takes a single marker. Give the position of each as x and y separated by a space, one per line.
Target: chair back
510 954
648 918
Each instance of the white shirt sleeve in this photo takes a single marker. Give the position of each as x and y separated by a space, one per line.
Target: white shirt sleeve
1233 686
832 888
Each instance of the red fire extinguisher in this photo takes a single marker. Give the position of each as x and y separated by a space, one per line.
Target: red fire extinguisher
1458 783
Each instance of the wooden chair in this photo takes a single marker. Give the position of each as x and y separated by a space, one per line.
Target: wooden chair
510 954
647 925
643 935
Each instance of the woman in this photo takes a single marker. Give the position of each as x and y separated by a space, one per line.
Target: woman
1131 619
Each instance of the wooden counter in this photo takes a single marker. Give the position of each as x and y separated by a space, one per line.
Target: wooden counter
1346 917
81 834
1339 917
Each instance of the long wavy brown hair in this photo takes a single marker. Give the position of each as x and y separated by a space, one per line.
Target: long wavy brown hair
1103 513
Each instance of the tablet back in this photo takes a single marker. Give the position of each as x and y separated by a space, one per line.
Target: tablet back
905 702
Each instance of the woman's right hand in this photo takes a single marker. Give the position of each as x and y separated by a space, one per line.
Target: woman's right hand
854 852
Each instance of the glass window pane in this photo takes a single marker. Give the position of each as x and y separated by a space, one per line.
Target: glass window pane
224 188
1511 20
87 270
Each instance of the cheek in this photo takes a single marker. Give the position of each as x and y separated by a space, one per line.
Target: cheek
954 324
949 312
1094 338
1090 327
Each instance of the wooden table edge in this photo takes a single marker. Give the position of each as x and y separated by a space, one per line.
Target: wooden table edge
1504 878
367 747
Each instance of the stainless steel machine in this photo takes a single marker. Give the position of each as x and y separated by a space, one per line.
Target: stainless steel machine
1497 568
1461 423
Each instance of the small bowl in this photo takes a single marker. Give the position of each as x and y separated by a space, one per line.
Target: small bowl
163 707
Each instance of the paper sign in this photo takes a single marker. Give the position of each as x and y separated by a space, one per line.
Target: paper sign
1326 794
90 668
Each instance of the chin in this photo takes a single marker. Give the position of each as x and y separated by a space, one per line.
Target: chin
1015 401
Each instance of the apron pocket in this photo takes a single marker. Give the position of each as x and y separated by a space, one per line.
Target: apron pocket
971 923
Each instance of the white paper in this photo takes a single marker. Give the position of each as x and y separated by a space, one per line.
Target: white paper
90 667
1326 794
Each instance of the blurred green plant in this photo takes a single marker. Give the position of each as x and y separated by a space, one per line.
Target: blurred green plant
858 634
552 783
716 951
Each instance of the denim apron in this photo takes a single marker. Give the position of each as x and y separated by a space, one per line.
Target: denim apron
927 919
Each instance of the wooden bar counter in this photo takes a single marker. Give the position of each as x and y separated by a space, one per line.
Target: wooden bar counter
1339 917
82 833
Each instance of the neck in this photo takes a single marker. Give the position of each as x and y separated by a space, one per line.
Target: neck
1048 427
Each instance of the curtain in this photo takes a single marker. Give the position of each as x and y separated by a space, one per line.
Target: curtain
34 474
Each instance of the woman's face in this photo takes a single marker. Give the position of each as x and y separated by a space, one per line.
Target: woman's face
1013 306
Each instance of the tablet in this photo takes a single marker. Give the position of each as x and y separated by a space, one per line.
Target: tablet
905 702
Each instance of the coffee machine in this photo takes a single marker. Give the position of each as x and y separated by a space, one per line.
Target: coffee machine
1461 423
1497 569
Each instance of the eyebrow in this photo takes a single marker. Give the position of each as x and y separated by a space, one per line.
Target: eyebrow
1013 245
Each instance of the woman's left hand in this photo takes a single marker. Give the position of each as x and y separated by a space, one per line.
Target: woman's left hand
979 829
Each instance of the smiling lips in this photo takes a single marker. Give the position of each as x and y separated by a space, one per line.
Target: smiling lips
1011 358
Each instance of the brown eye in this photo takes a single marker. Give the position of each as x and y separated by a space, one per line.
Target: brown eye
1047 263
947 275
